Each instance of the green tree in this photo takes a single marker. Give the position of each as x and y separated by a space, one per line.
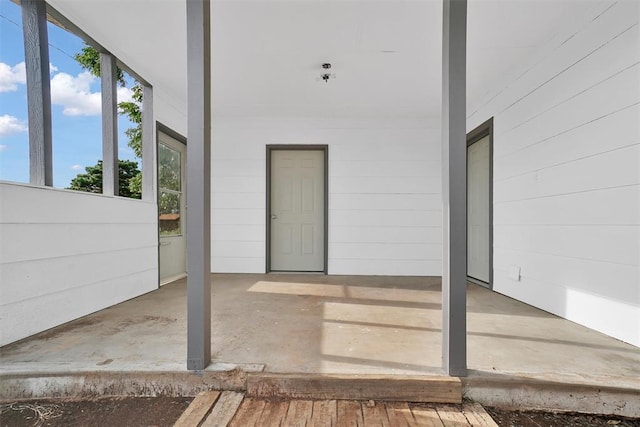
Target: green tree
89 59
91 180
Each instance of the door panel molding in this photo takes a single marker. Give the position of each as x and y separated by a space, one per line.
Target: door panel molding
161 128
477 134
275 147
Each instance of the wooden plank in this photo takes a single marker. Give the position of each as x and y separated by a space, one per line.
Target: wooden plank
426 417
477 416
399 414
198 409
224 409
273 413
299 413
375 415
349 414
452 416
324 414
248 414
356 387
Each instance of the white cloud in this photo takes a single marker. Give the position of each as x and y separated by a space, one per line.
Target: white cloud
10 76
10 125
77 167
52 68
125 94
74 94
3 148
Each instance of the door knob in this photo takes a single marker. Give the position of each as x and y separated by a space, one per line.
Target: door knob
273 216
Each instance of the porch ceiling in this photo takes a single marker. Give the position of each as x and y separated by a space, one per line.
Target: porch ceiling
267 55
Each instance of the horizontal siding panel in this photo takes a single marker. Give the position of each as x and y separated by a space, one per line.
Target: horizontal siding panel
619 245
237 265
617 168
389 150
618 206
382 168
377 234
608 133
27 317
238 200
389 268
620 53
238 216
238 184
620 321
614 94
229 167
60 240
23 204
231 249
385 218
385 202
385 251
590 37
239 233
35 279
374 184
593 277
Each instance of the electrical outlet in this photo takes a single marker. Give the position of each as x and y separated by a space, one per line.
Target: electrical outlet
514 273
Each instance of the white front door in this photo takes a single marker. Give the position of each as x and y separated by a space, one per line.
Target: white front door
297 210
478 184
171 208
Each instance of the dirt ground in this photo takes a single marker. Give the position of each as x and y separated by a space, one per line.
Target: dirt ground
164 411
549 419
105 411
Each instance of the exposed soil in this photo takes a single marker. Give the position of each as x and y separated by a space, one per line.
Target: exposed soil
164 411
104 411
550 419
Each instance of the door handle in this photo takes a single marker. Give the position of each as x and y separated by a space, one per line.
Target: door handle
273 216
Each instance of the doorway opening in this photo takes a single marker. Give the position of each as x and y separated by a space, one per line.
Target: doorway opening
480 204
297 208
172 162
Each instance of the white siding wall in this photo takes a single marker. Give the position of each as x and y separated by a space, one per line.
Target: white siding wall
566 175
65 254
384 193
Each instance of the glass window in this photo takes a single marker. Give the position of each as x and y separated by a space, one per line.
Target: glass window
169 183
14 131
76 109
130 135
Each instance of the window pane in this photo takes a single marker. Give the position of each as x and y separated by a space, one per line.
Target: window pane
129 97
76 108
168 168
169 219
14 136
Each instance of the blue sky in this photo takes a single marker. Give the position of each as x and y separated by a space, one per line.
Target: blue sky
75 97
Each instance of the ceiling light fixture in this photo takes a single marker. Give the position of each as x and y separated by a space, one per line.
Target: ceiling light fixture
326 75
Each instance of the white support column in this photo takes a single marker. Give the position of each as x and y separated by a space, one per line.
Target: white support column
149 160
109 80
198 184
454 188
36 58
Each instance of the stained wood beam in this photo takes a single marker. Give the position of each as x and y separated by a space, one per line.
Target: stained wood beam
36 58
109 81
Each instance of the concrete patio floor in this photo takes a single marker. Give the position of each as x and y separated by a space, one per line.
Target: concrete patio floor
316 324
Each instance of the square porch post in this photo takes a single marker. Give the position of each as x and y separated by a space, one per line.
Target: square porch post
198 185
454 188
